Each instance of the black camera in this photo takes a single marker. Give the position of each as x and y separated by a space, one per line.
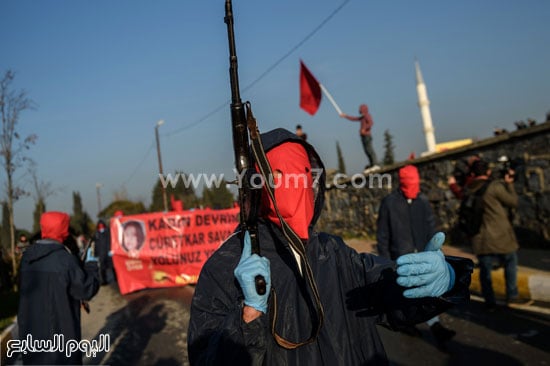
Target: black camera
503 167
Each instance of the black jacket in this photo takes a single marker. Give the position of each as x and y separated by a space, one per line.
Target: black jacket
103 247
357 292
52 285
403 227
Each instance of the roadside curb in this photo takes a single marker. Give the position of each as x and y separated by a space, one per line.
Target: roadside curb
7 335
532 285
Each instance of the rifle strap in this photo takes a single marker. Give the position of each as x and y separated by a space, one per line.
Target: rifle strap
294 241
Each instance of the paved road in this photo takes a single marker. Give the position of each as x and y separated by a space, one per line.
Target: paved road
150 328
145 328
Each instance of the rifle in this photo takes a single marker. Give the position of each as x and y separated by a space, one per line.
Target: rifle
241 121
249 198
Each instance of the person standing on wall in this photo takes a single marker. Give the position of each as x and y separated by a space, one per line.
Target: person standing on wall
365 133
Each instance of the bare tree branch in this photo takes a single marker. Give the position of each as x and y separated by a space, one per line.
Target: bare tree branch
12 146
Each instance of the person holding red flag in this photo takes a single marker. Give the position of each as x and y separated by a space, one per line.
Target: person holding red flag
365 132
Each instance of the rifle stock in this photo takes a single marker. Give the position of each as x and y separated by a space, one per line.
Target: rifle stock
249 198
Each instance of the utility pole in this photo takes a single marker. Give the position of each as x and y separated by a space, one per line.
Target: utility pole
98 187
164 199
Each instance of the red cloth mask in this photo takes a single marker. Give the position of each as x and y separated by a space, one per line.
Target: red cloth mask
409 181
55 225
293 187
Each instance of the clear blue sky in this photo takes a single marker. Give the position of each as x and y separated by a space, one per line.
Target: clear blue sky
103 72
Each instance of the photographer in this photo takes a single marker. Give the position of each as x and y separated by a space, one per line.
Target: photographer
496 241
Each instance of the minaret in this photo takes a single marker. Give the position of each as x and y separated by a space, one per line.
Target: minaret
424 105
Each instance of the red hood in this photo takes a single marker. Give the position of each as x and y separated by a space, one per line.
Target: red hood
409 181
293 190
55 226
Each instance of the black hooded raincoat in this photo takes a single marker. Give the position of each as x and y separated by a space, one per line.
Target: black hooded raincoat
52 285
357 291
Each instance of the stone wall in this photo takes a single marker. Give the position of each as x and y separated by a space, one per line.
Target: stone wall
352 203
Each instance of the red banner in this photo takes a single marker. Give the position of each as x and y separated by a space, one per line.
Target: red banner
167 249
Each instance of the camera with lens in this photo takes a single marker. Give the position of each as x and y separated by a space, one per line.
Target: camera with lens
504 167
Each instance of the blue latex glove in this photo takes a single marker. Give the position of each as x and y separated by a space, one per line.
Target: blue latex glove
89 256
250 266
426 272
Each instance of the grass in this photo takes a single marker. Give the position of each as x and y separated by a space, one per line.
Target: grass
8 308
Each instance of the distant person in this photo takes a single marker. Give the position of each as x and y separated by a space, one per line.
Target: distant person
102 239
300 133
406 222
462 176
133 237
496 241
53 284
22 245
365 132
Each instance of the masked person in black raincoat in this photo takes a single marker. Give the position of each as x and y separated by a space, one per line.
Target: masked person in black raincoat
52 285
231 324
102 238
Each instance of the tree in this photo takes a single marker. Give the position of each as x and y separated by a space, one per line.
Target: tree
39 209
12 145
217 197
341 164
80 220
179 191
5 232
42 190
388 148
128 207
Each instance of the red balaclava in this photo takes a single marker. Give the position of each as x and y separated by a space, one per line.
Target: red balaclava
293 189
55 225
101 227
409 181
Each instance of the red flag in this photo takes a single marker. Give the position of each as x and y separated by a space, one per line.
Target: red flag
310 91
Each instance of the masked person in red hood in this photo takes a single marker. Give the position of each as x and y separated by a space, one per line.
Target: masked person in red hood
53 283
323 299
406 222
365 119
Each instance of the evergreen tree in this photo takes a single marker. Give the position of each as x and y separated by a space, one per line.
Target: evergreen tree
128 207
179 192
217 197
39 209
5 236
80 220
388 148
341 163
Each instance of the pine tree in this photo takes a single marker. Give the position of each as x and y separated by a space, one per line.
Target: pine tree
5 232
127 207
341 163
388 148
39 209
80 220
217 197
179 191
